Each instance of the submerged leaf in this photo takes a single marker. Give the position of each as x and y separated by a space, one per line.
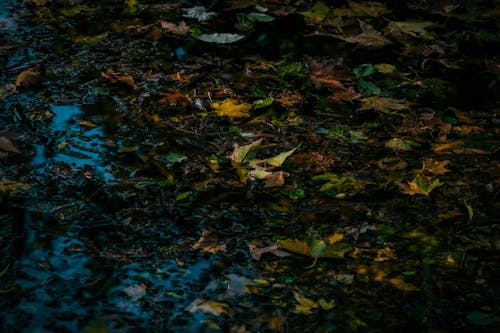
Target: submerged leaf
414 29
368 8
435 167
305 305
7 185
209 307
220 38
384 104
369 37
209 242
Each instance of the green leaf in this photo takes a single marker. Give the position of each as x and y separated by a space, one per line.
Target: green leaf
260 17
278 160
364 70
318 11
263 103
297 194
368 88
175 158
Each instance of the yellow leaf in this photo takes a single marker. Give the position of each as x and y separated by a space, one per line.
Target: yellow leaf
385 68
326 305
209 242
295 246
419 186
210 307
305 305
401 284
384 104
335 238
7 185
470 211
231 108
438 148
368 8
385 254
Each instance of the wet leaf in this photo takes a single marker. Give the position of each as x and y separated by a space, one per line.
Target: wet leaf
435 167
260 17
209 242
91 39
416 29
220 38
279 159
297 194
305 305
245 153
7 145
402 285
419 186
391 164
315 248
263 103
7 185
200 13
384 104
369 37
231 108
258 247
209 307
339 186
181 30
175 158
398 144
135 292
367 8
385 68
28 79
470 211
115 78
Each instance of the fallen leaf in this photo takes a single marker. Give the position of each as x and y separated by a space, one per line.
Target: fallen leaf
135 292
414 29
209 307
7 145
181 30
245 153
209 242
419 186
435 167
200 13
369 37
279 159
402 285
391 164
220 38
258 247
231 108
367 8
174 97
443 147
315 248
175 158
28 78
115 78
305 305
346 95
384 104
397 144
7 185
385 68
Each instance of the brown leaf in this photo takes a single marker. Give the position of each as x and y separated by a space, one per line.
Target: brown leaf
369 37
329 73
346 95
182 29
7 145
174 97
115 78
258 247
435 167
209 242
28 78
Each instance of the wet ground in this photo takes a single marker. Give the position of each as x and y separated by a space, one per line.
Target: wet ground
130 200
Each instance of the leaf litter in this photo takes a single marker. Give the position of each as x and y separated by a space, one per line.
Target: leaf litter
249 166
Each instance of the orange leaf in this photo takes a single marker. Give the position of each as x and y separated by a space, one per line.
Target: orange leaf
435 167
181 29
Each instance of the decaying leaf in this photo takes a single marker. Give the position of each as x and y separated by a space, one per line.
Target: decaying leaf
277 160
220 38
7 185
231 108
28 78
435 167
339 186
306 305
348 95
174 97
136 292
391 164
402 285
419 186
8 146
315 247
367 8
200 13
384 104
115 78
415 29
397 144
369 37
245 153
258 247
209 242
181 30
209 307
329 73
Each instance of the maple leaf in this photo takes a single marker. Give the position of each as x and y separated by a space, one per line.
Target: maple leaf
413 29
435 167
369 37
181 30
231 108
419 186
